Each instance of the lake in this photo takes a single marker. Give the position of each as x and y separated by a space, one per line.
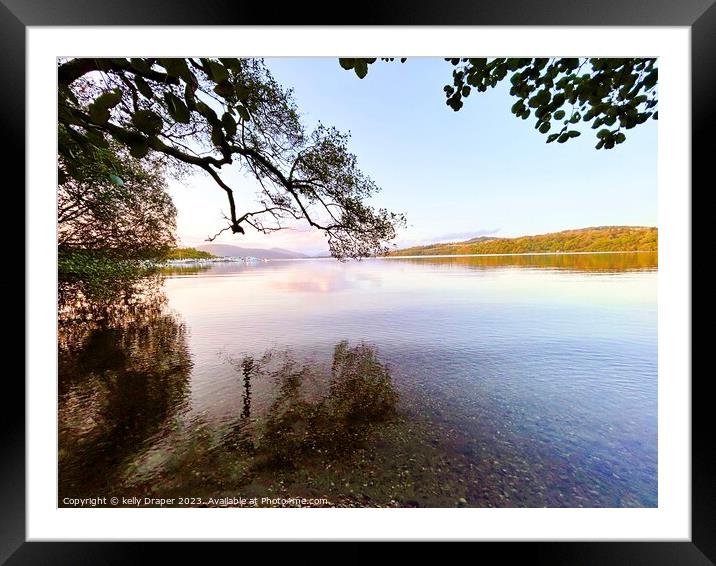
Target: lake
534 376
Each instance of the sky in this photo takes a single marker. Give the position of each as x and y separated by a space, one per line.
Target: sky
455 175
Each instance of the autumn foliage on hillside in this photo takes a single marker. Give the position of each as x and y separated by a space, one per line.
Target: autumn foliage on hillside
600 239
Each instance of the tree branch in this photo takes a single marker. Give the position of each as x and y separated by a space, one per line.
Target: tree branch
69 72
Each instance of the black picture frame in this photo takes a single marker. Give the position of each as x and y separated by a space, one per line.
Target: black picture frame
699 15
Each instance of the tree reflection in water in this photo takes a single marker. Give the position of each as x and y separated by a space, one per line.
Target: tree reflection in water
581 262
247 369
123 373
300 429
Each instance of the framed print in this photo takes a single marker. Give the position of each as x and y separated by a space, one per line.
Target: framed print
400 280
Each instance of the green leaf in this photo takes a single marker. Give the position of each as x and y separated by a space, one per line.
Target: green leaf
244 114
552 137
143 87
227 120
242 93
217 72
99 115
177 109
189 95
207 112
346 63
454 102
147 122
361 68
138 145
99 109
176 67
225 89
559 115
544 128
542 97
140 65
116 179
233 64
574 134
562 138
558 100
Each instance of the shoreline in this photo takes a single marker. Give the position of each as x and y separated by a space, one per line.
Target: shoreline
520 254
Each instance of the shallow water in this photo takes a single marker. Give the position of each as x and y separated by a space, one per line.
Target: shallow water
543 367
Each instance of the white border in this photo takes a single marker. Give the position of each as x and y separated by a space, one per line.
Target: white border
670 521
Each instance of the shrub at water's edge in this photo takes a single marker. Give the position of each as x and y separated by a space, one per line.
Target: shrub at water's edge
599 239
97 275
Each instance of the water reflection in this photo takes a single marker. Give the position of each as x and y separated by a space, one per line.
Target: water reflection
247 369
140 299
536 375
118 388
186 269
545 375
300 430
604 262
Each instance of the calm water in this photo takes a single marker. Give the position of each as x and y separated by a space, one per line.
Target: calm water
543 367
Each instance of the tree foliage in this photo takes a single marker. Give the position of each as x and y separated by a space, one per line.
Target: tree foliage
111 203
113 214
611 94
208 114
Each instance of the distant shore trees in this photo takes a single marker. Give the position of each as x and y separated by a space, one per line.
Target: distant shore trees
189 253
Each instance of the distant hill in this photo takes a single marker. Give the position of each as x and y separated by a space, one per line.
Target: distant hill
598 239
227 250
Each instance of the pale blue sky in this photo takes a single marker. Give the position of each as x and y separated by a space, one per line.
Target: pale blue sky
454 174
